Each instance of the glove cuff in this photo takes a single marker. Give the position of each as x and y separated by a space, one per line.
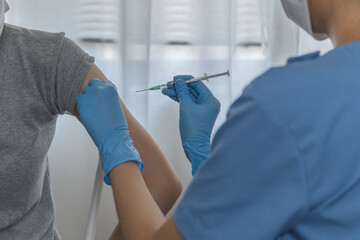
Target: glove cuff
197 152
117 148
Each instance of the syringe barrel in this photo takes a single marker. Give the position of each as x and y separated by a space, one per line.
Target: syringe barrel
206 77
197 79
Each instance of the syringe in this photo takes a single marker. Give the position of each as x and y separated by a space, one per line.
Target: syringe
171 84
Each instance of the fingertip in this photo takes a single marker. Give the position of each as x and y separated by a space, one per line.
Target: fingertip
85 90
166 91
180 83
183 77
110 83
107 81
171 94
181 87
94 81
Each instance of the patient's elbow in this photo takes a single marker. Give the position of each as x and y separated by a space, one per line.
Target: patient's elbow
171 194
177 189
174 191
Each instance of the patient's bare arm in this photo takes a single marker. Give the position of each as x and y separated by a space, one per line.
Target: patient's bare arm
159 176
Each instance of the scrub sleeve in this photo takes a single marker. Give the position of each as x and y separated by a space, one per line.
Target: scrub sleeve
252 187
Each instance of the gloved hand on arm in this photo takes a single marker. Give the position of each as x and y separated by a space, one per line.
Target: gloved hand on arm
198 112
101 113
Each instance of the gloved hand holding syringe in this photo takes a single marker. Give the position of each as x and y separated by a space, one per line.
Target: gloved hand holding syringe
171 84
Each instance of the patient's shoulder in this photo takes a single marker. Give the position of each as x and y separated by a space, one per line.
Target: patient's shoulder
33 43
17 32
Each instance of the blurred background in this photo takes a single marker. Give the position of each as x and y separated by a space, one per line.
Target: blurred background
141 43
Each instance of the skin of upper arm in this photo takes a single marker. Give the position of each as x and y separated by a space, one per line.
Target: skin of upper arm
95 72
159 175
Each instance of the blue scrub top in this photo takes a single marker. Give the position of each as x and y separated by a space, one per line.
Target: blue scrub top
286 163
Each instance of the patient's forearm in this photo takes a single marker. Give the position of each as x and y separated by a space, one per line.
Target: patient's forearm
159 176
138 214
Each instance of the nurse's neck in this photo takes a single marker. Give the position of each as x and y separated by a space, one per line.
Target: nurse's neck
344 22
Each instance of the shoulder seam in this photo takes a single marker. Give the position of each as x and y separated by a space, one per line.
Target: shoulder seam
27 31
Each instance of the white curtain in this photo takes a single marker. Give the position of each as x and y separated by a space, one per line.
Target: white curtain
282 38
141 43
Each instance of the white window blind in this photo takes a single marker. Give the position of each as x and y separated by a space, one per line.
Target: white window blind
178 22
174 21
99 20
248 23
207 22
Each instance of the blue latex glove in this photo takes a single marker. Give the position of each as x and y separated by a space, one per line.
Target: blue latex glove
101 114
198 112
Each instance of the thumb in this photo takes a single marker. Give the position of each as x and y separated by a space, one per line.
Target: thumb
182 89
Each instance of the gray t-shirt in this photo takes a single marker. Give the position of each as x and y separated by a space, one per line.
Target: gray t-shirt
40 76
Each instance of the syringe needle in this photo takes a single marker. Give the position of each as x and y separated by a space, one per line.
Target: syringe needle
142 90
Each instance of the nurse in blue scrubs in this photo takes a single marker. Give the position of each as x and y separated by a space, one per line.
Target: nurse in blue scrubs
286 163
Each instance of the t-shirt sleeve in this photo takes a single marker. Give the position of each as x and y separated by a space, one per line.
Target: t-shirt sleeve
71 67
253 185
